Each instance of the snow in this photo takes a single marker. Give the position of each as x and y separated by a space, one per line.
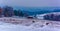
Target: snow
11 27
41 16
37 26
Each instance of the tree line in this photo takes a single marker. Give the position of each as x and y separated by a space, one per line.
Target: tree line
9 12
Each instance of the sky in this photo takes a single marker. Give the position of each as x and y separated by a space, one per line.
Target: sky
0 2
31 3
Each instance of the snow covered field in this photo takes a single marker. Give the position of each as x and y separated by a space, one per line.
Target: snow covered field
37 26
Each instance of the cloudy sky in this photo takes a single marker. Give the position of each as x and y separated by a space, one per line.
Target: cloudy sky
31 3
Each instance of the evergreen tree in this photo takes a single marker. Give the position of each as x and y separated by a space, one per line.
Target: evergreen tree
20 13
15 12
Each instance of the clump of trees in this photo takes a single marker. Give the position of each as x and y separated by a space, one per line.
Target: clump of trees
20 13
53 17
0 12
56 10
8 11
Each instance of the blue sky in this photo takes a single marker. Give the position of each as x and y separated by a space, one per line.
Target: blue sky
31 3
